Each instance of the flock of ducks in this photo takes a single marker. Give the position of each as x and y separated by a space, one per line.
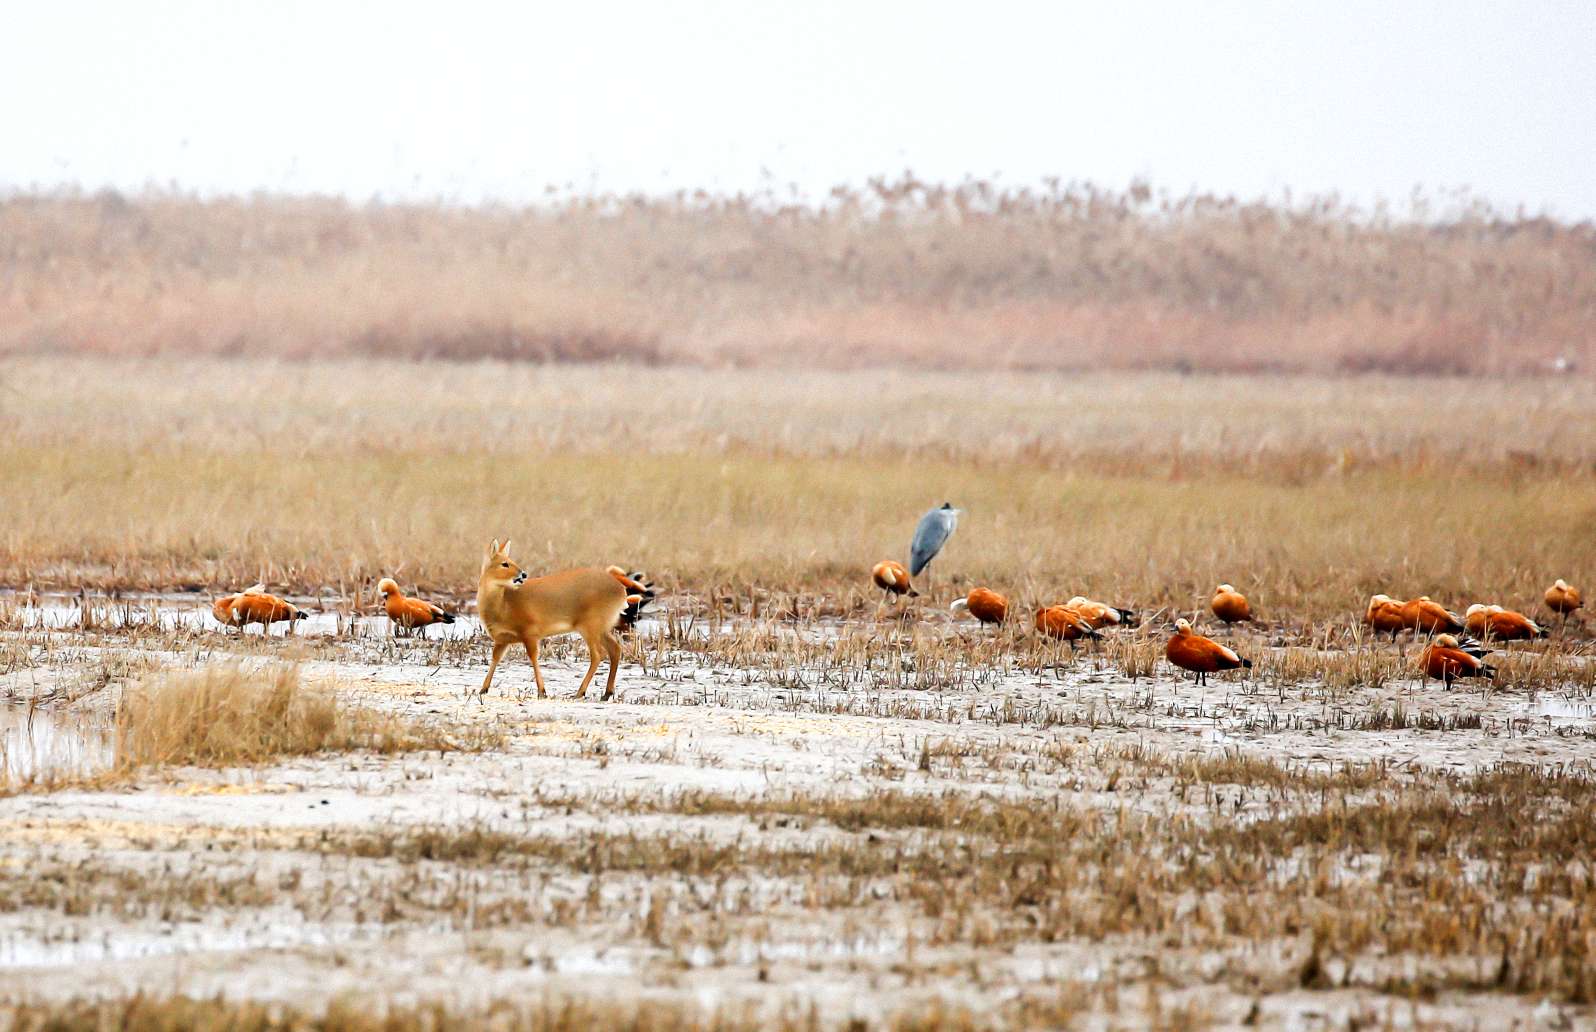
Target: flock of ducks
254 605
1446 657
1455 648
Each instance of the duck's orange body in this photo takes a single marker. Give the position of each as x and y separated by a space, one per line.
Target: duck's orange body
1064 623
517 609
410 613
222 608
1385 615
1230 605
1563 598
1445 662
1202 656
1428 616
1099 614
1501 624
891 576
264 609
984 604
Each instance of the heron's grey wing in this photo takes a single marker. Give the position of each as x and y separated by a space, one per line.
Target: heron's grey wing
929 537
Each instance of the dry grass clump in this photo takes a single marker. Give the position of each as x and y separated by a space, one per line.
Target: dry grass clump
228 715
973 275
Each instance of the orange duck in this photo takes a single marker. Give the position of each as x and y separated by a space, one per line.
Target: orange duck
1100 614
1065 624
1563 599
1202 656
1385 615
638 593
259 607
1501 624
984 604
1443 660
222 608
1230 605
410 613
1427 616
891 577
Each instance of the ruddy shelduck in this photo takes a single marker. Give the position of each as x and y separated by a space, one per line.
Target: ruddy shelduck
1202 656
1100 614
891 577
1563 598
515 608
638 594
1384 615
1446 662
1501 624
1064 623
1427 616
410 613
984 604
222 608
258 607
1230 605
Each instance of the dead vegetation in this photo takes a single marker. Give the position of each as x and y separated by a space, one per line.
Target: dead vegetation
229 715
1312 495
975 275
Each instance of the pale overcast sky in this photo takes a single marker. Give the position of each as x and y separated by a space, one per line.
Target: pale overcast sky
471 100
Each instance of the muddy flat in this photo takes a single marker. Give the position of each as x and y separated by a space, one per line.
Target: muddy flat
1027 846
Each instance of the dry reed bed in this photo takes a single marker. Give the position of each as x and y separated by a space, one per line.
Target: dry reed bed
316 480
970 276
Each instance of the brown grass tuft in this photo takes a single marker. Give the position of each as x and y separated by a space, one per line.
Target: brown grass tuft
228 715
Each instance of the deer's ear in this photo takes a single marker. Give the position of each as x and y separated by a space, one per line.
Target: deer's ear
505 548
493 549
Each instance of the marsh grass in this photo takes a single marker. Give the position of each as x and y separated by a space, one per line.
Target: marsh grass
975 275
230 715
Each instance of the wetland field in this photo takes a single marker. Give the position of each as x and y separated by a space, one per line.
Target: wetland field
806 809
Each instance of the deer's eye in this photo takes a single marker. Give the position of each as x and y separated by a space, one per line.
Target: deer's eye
505 565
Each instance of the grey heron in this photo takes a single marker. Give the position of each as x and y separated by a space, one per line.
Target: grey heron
930 534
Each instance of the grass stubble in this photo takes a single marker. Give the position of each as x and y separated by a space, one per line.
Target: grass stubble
1418 889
